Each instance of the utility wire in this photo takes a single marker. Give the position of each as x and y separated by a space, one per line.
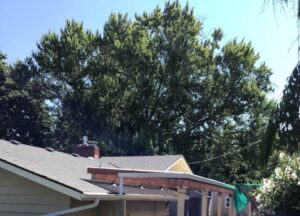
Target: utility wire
228 153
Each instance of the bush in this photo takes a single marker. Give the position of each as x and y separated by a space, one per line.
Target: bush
280 193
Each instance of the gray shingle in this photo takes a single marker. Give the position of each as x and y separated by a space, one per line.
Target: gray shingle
57 166
72 171
160 163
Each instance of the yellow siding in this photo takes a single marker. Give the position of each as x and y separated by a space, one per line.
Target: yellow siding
180 166
19 196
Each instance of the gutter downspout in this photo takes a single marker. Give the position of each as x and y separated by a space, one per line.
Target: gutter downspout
77 209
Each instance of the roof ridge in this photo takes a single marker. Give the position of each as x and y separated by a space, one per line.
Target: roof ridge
115 156
46 149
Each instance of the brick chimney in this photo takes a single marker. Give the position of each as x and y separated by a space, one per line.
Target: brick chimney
87 149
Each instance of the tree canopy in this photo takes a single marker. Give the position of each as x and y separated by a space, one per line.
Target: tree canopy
156 84
24 116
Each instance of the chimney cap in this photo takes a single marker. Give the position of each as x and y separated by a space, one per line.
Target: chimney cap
85 140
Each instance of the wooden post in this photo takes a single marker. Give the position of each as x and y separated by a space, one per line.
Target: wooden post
234 212
249 208
220 202
204 203
181 200
211 204
124 207
230 205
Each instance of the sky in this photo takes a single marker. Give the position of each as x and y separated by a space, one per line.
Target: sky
272 31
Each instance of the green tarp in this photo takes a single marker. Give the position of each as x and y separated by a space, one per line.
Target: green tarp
242 195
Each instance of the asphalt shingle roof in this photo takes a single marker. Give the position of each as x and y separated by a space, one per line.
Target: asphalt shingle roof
160 163
72 171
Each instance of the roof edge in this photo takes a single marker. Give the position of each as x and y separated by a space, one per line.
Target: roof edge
42 180
102 170
131 197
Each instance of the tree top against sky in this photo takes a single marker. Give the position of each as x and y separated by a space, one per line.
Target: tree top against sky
272 33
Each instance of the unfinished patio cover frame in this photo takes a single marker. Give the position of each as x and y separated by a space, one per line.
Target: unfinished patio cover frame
179 181
163 179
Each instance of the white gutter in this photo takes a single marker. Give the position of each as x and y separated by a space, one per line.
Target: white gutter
76 209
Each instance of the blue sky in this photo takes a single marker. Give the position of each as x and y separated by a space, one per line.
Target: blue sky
272 33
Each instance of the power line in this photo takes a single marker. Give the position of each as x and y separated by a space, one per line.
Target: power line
228 153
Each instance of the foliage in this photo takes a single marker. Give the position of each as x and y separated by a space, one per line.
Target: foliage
295 3
23 113
284 125
280 192
157 84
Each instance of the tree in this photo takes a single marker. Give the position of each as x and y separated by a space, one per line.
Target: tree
296 4
64 60
284 125
23 113
157 85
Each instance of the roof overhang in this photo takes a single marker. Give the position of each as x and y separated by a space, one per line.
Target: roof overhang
42 180
76 194
165 179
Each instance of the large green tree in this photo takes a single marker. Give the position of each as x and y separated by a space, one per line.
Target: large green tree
157 85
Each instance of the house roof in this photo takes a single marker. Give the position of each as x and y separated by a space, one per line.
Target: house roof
70 171
160 162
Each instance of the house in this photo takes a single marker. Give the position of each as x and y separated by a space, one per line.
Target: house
38 181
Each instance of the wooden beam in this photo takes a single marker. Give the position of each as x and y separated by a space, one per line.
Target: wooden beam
161 182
